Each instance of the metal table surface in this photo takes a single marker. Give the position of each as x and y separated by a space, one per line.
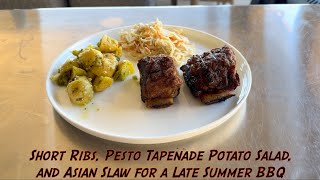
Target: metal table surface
282 112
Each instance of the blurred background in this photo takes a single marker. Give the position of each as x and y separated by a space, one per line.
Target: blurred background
27 4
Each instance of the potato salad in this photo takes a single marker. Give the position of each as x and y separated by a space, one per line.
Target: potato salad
93 69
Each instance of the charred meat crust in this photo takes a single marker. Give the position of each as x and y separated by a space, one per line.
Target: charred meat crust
159 102
215 98
210 75
159 80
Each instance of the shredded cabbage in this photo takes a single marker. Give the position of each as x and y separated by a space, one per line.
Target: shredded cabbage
152 39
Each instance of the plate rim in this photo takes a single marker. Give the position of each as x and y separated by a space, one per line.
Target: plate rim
147 140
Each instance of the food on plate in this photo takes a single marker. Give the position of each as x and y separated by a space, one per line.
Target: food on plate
125 68
212 76
67 66
77 72
152 39
61 79
92 70
159 81
89 58
106 67
65 72
109 45
101 83
80 90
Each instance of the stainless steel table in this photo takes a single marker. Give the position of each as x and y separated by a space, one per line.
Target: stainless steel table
282 113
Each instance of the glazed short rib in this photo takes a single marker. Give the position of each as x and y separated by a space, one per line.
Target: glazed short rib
159 81
212 76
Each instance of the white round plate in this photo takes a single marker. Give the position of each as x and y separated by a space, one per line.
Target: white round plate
118 114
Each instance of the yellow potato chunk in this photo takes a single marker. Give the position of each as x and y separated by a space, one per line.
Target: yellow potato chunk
67 66
107 67
110 56
90 75
90 57
80 91
100 83
125 68
77 72
108 44
118 52
62 79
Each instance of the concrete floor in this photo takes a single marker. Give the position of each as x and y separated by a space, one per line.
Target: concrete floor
201 2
